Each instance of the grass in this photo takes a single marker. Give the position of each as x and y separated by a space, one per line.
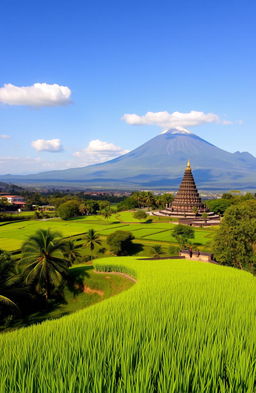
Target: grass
183 327
86 288
13 234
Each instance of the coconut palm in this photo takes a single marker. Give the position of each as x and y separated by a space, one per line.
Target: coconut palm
44 261
71 252
92 240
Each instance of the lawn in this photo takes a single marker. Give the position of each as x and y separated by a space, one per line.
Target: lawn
183 327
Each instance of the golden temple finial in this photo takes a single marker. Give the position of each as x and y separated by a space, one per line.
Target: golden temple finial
188 165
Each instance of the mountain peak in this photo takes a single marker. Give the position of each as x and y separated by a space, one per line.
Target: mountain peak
176 130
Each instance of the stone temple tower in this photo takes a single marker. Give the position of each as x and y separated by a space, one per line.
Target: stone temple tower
187 199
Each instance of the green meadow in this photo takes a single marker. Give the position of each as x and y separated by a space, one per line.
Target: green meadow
184 326
13 234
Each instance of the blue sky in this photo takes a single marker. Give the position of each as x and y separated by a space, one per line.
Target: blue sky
116 58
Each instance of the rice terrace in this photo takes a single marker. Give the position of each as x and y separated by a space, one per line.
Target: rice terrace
183 327
127 196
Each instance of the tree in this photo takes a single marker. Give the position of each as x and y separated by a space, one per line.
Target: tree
219 206
183 233
44 262
120 242
92 240
235 241
156 251
107 212
140 215
69 209
71 251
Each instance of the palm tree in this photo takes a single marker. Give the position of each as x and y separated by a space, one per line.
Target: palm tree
71 252
107 212
92 240
156 250
44 261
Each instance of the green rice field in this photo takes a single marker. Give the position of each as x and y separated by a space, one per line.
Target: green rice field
13 234
183 327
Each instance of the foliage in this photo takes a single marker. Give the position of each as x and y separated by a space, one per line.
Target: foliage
107 212
71 251
120 242
236 238
7 285
183 327
156 250
92 240
173 250
68 210
182 234
44 264
219 206
140 215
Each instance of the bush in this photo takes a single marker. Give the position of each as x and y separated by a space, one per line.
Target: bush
68 210
173 251
120 242
140 215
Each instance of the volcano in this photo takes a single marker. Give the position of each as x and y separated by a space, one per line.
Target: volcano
159 164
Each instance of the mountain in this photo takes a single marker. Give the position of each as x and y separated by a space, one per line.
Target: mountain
159 163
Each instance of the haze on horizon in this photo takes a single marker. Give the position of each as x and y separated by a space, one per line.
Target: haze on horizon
82 83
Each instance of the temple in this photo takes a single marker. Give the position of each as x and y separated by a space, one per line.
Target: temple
187 205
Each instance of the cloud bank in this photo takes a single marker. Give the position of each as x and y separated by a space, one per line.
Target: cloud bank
50 145
4 136
173 120
37 95
99 151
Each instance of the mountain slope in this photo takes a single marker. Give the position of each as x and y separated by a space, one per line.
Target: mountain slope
160 162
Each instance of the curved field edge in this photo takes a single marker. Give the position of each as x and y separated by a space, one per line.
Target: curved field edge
183 327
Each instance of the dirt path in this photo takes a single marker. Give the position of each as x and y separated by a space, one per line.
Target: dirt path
91 291
117 273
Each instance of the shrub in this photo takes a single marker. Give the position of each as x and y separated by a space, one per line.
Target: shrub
120 242
140 215
68 210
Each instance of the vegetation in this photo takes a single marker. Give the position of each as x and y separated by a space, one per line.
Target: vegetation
156 251
92 240
68 210
140 215
174 331
45 266
183 234
120 242
235 240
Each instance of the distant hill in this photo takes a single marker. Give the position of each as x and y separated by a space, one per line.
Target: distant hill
10 188
159 163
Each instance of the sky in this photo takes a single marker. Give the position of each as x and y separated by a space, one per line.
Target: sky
85 81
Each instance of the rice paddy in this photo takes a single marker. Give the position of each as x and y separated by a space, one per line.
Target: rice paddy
13 234
183 327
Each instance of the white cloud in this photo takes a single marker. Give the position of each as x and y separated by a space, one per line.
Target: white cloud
99 151
173 120
4 136
39 94
51 145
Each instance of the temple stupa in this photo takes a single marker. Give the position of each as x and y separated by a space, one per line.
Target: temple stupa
187 205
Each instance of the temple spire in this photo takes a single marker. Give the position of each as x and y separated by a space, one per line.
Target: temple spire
187 199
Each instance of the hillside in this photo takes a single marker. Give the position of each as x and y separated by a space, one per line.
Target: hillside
183 327
159 163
